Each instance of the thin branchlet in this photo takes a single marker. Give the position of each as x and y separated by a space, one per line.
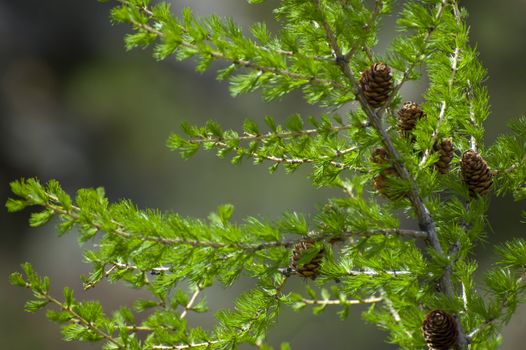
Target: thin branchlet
120 231
505 304
79 319
371 300
280 135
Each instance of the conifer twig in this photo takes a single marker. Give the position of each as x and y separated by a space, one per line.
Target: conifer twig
374 14
73 214
78 318
393 311
509 169
371 300
364 272
190 303
186 346
136 329
408 70
287 160
280 135
150 14
106 275
219 142
503 306
443 106
239 62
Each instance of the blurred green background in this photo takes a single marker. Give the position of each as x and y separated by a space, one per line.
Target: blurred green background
75 107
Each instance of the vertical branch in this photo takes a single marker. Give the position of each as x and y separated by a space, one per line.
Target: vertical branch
425 221
434 137
408 70
472 141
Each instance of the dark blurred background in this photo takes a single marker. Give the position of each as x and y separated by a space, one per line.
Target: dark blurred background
76 107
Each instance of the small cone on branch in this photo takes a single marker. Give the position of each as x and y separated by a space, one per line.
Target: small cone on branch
475 173
440 330
376 83
445 150
311 268
379 156
408 116
380 182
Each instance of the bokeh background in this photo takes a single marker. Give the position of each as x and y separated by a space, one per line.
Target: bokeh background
76 107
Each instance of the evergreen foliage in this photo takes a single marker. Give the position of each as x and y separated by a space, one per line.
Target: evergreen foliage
366 256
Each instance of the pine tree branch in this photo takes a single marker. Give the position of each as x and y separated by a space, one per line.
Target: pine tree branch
138 329
258 154
190 303
284 159
280 135
412 66
504 305
288 53
287 160
371 300
74 212
394 312
362 272
127 267
359 45
443 107
373 273
509 169
79 319
107 273
217 55
416 234
473 141
187 346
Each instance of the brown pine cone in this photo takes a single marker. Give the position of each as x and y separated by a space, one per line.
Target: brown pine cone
376 83
308 269
408 116
476 173
379 156
380 181
445 149
440 330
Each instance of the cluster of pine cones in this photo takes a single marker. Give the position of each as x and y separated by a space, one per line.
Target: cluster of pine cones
376 84
439 327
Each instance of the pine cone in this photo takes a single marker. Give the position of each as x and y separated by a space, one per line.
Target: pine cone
376 84
380 182
440 330
308 269
445 149
408 116
379 156
476 173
